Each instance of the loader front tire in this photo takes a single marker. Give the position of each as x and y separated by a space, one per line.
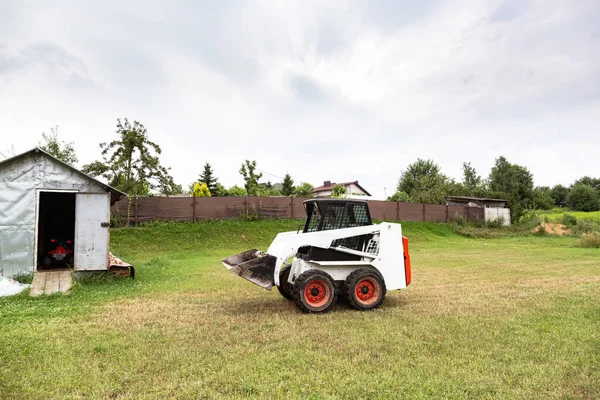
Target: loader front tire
284 287
314 291
365 289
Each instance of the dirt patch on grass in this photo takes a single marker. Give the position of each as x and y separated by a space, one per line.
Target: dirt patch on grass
553 229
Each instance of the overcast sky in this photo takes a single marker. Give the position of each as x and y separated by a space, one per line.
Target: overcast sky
324 90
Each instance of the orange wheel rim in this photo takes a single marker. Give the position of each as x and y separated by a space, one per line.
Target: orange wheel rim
367 291
317 293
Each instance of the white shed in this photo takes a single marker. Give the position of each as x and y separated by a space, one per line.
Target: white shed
43 201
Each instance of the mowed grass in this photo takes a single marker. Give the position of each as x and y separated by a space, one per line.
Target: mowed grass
513 317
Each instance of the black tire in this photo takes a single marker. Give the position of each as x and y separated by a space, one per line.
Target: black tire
314 291
365 289
47 261
284 287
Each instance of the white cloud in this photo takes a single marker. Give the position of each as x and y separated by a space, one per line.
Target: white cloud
326 91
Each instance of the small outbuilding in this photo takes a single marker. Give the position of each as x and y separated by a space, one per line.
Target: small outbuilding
494 208
44 201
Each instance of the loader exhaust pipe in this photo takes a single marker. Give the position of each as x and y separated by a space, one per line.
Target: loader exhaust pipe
254 266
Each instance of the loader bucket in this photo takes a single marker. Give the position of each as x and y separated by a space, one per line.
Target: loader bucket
253 265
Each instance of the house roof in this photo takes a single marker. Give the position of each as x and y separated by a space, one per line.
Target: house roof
469 198
115 194
332 184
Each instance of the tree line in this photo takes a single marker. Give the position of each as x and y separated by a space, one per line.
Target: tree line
131 163
424 182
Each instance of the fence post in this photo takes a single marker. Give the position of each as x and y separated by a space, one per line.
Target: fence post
467 213
292 205
446 212
194 206
397 211
135 212
246 204
423 212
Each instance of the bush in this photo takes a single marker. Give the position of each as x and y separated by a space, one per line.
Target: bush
568 220
591 239
540 230
117 221
496 223
459 219
583 198
583 226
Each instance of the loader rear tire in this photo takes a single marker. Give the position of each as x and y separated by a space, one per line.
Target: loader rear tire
284 287
314 291
365 289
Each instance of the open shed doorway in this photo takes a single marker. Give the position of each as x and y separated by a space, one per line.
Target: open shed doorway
56 230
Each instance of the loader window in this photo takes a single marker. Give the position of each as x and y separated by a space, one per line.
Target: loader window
334 217
357 215
314 218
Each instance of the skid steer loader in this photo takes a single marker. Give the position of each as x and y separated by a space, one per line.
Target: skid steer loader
339 252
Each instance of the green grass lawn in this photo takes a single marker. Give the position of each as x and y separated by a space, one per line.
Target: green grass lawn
504 318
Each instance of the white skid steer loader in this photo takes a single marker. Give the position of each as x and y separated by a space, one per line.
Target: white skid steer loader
340 250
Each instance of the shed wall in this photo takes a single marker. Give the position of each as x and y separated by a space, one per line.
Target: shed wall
20 180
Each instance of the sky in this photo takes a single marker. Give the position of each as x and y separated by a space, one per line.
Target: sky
322 90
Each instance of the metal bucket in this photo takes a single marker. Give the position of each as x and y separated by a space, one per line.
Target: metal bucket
253 265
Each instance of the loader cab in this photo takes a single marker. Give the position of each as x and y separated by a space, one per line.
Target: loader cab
329 214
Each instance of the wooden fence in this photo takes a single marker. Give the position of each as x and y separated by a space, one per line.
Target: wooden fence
207 208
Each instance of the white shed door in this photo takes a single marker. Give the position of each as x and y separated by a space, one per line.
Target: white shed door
92 216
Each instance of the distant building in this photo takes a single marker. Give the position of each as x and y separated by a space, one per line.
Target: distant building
352 189
494 208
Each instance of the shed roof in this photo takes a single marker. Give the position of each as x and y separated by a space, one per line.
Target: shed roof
469 198
115 194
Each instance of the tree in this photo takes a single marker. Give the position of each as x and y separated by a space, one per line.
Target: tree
513 183
339 192
559 195
472 183
401 197
207 176
542 198
423 182
592 182
64 151
219 191
235 190
287 186
250 177
200 190
304 190
131 164
583 198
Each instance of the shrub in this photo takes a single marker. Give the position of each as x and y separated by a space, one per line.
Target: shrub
540 230
583 198
496 222
568 220
591 239
584 226
117 220
459 219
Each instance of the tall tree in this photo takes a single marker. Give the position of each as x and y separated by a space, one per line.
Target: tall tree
589 181
514 183
471 182
131 163
64 151
559 195
250 177
287 186
583 198
208 176
423 182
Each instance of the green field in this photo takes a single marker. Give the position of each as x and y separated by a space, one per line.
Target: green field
556 215
504 318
